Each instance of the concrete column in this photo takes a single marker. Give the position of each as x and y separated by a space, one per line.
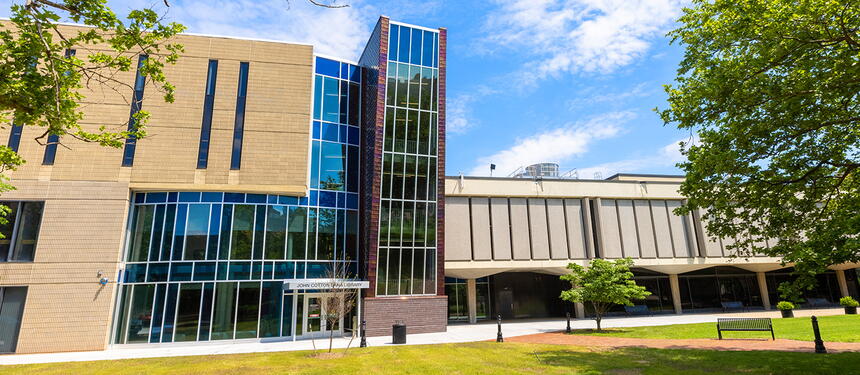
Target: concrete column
676 292
579 308
762 289
843 284
472 300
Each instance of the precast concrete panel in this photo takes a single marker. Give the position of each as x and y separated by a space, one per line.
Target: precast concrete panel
458 244
557 228
611 246
645 229
520 229
481 242
538 226
501 228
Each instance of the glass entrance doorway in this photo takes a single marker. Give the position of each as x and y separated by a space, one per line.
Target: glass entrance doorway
314 319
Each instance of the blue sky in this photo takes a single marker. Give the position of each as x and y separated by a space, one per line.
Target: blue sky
567 81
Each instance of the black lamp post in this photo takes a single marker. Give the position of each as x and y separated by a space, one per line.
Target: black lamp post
499 337
363 343
819 343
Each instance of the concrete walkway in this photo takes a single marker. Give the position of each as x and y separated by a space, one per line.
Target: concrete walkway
456 333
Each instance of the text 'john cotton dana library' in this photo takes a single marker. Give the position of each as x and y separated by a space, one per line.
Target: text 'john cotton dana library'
277 169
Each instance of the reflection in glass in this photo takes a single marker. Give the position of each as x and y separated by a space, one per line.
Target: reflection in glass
243 221
225 308
247 309
187 313
297 233
196 231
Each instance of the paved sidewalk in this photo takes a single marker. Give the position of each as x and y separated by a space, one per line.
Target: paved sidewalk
456 333
560 338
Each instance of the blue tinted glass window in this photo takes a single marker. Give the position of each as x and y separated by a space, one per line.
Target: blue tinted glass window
204 271
393 34
234 197
255 198
189 196
333 166
353 137
435 50
329 132
315 164
196 233
284 270
157 272
135 273
156 197
352 168
331 100
344 71
172 197
318 97
317 130
181 271
179 231
327 67
354 74
427 47
403 47
240 271
328 199
415 57
343 134
211 197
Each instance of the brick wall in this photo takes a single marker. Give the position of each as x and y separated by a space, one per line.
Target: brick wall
421 314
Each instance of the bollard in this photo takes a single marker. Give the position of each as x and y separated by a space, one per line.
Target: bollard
499 337
568 322
819 343
363 343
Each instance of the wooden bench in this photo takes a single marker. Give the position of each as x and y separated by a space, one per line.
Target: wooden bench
637 310
744 324
733 305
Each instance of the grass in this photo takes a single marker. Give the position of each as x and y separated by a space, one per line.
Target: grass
471 358
840 328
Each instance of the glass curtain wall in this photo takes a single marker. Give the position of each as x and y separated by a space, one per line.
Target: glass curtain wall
407 226
210 266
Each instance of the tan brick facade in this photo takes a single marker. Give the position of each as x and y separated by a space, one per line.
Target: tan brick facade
86 191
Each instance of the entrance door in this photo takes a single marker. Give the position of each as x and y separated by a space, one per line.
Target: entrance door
315 324
506 304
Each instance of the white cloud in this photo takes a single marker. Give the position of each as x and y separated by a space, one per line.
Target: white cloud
558 145
340 32
666 156
458 118
599 95
567 36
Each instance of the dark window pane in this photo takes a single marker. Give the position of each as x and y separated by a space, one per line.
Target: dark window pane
395 226
388 144
225 309
140 315
431 225
243 221
179 231
141 233
11 311
204 271
417 271
414 86
409 177
276 232
381 272
412 132
29 220
421 178
391 84
157 272
240 271
386 175
326 237
318 95
187 313
239 121
402 86
9 226
270 309
408 224
384 222
423 136
167 238
426 88
51 149
430 272
297 233
431 180
181 271
400 131
157 230
259 232
312 233
397 177
197 231
352 169
344 102
206 127
354 103
403 48
393 34
121 325
247 310
214 228
169 313
420 224
427 49
226 227
206 310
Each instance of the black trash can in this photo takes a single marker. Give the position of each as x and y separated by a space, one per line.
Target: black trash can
398 333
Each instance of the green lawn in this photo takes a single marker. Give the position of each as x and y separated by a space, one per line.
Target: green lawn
842 328
472 358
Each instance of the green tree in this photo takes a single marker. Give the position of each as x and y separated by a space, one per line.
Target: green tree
603 284
772 89
41 84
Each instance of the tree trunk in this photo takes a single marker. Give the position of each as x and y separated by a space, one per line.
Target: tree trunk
597 318
330 339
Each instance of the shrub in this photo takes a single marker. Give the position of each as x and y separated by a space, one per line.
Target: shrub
785 305
848 302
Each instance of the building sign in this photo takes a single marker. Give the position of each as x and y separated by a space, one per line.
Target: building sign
301 284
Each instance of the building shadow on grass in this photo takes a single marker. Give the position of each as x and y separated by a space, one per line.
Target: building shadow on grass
679 360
